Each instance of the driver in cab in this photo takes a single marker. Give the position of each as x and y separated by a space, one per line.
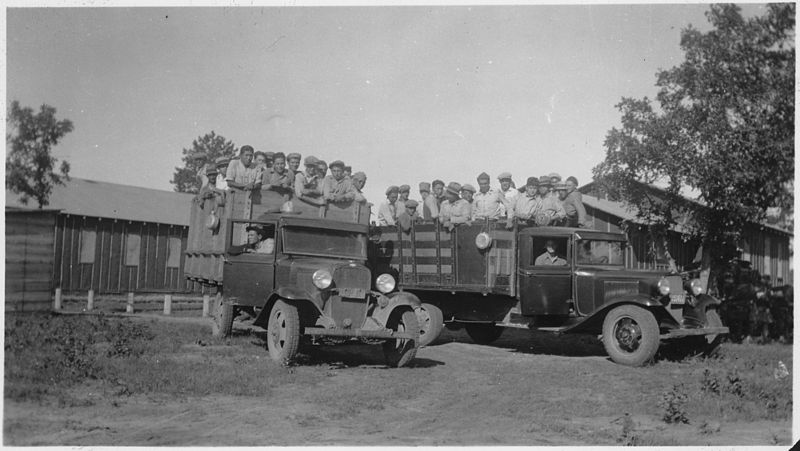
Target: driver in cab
549 257
257 243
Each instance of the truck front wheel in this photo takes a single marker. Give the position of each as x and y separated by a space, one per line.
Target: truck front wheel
431 323
630 335
223 318
283 332
483 334
400 352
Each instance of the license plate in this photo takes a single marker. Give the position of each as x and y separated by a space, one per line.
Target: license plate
352 292
677 298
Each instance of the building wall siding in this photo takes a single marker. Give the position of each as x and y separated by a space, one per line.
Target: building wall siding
30 241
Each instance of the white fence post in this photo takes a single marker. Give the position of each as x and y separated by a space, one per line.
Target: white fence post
57 303
129 305
206 303
167 304
90 301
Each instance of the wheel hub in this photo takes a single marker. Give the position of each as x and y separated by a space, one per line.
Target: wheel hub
628 334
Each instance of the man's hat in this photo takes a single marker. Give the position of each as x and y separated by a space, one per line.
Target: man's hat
199 155
468 187
424 187
258 229
322 163
504 175
293 155
454 188
555 175
483 176
348 169
572 179
339 163
311 160
222 161
359 176
545 181
270 155
560 186
392 189
437 182
411 203
211 169
404 188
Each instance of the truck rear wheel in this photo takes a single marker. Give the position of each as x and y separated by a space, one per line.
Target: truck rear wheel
283 332
223 318
630 335
431 323
483 334
400 352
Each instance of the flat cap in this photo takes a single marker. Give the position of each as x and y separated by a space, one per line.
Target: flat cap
545 181
573 180
424 187
359 176
504 175
311 160
222 161
339 163
392 189
404 188
555 175
270 155
211 169
560 186
454 187
468 187
532 181
293 156
438 182
411 203
483 176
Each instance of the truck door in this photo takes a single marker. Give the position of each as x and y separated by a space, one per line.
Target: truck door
249 270
545 275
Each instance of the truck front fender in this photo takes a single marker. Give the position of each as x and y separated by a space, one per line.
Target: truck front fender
392 302
287 293
593 323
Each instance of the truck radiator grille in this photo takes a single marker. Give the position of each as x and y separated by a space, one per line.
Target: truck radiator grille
613 289
351 277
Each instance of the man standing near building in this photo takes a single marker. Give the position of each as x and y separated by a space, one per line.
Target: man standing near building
242 173
336 188
387 214
487 202
430 208
573 204
508 191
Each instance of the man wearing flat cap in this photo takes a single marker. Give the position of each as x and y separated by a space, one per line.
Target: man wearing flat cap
336 188
307 184
430 208
573 204
508 191
437 188
200 160
467 193
409 216
222 166
552 211
526 205
454 210
402 197
359 179
555 180
487 203
387 215
242 173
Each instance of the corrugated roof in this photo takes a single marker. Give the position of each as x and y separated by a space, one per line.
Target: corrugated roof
110 200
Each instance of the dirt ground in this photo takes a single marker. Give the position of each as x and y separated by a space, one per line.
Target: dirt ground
455 393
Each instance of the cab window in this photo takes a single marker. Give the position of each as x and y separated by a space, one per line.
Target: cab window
549 251
253 239
600 252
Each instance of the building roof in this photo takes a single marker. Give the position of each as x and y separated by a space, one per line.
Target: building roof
110 200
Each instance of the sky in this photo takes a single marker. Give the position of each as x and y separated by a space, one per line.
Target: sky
403 93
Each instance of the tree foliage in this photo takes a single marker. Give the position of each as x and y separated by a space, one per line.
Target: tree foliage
215 146
723 130
29 164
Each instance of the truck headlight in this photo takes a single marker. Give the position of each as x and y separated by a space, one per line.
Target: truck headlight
696 286
483 240
663 286
322 278
385 283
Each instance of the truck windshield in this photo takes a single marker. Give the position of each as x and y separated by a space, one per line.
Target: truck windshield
601 252
324 242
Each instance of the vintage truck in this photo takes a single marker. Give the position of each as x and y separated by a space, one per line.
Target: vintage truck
484 277
315 282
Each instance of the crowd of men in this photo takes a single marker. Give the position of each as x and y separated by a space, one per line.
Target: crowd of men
542 201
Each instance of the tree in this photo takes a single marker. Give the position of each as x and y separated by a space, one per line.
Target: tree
29 165
215 146
723 130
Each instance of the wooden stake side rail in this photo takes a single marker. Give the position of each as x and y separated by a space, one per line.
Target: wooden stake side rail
432 258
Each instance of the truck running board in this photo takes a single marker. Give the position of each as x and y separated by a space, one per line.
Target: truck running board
339 332
677 333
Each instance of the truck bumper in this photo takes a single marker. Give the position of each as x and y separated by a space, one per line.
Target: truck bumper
678 333
339 332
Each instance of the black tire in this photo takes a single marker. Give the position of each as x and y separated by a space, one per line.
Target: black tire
630 335
223 318
400 352
697 345
483 334
431 323
283 332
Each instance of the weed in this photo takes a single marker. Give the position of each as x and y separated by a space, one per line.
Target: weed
674 402
709 383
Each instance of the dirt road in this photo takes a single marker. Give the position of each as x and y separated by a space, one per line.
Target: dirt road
526 389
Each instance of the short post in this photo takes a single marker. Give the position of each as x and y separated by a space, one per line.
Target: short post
167 304
90 301
206 304
129 305
57 303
